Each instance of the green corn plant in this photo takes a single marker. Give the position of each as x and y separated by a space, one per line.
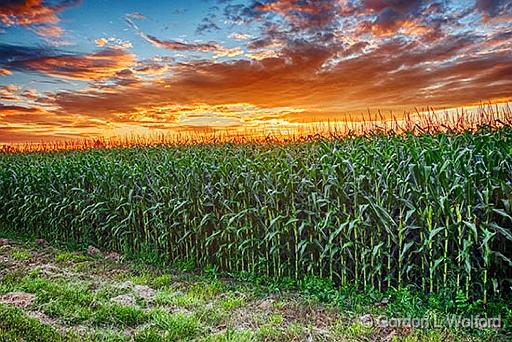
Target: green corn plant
382 211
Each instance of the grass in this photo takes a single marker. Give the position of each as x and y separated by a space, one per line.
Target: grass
21 255
176 325
121 315
69 256
88 305
15 325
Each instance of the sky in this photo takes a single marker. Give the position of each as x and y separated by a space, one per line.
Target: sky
81 69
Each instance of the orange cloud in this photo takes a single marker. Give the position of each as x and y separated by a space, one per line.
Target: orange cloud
303 14
305 61
399 26
35 12
27 13
9 92
49 31
100 65
101 42
35 124
113 42
30 94
239 36
153 67
390 77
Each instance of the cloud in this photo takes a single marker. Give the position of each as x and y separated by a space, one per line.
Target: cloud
260 55
207 25
303 61
38 13
150 68
239 36
401 6
136 15
101 42
29 12
494 9
9 92
31 123
49 31
11 54
241 14
398 75
30 94
302 13
20 124
99 65
410 17
299 15
15 113
180 46
27 134
228 52
4 72
217 49
113 42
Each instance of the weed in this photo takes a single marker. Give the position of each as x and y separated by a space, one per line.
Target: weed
21 255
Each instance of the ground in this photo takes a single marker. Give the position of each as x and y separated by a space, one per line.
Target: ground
52 294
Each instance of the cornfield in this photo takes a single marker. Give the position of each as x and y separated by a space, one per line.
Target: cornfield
431 211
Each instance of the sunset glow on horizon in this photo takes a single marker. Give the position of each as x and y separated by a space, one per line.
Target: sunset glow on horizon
73 69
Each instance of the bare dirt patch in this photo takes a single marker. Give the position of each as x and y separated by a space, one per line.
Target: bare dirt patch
144 292
125 300
19 299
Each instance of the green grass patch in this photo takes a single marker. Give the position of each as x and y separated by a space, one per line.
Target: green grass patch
71 256
231 335
173 297
177 326
231 303
15 325
162 281
187 307
21 255
206 290
120 315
